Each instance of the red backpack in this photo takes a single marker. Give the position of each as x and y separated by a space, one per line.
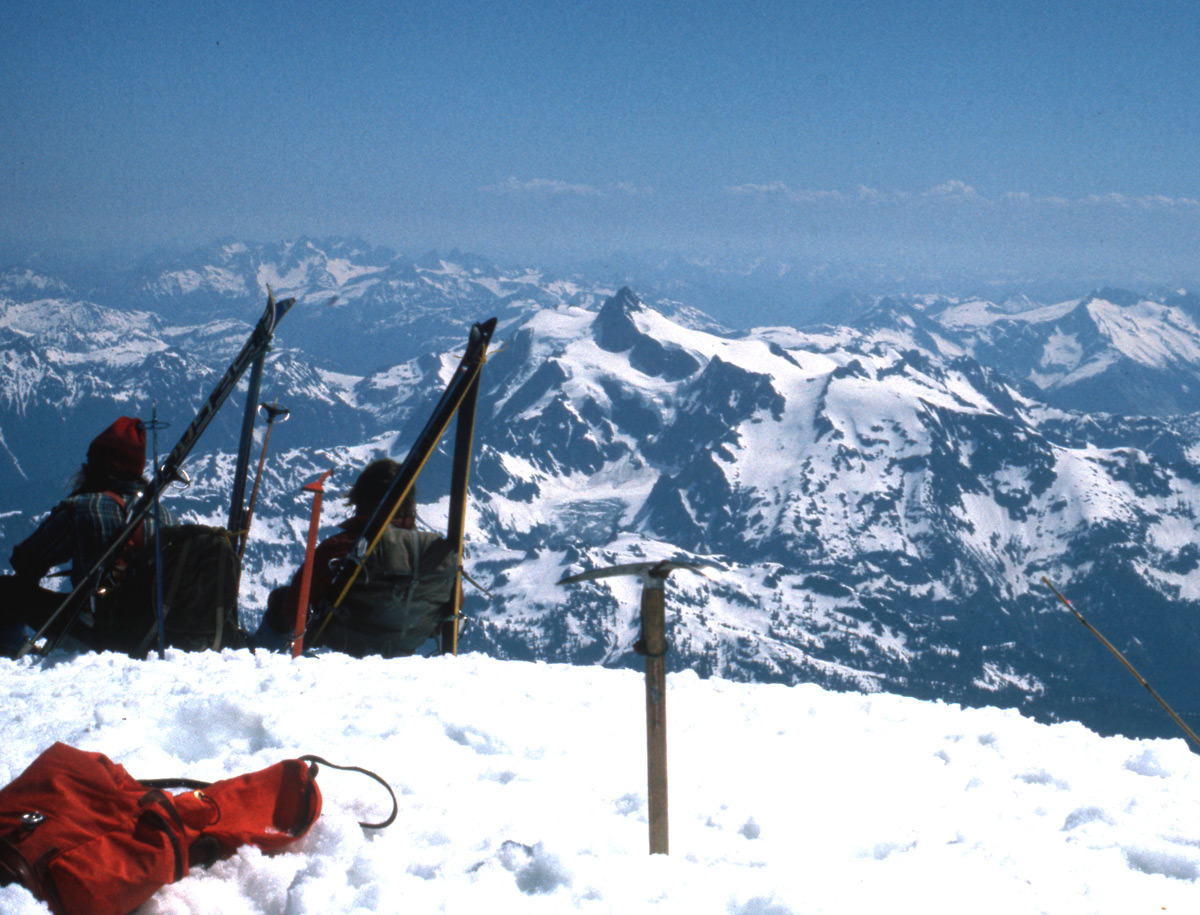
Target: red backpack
87 838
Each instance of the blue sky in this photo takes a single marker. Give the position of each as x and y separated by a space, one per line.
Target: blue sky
991 138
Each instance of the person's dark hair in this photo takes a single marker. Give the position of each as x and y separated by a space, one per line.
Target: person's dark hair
372 485
98 478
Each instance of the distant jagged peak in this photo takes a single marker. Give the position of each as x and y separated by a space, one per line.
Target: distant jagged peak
911 317
232 248
430 260
1016 303
613 328
303 255
1186 301
56 319
843 308
472 263
1122 297
25 281
848 308
892 306
627 299
237 254
692 318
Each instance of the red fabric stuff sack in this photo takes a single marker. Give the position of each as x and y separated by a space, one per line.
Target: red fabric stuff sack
87 838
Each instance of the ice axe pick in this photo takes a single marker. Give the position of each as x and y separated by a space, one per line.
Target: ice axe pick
653 644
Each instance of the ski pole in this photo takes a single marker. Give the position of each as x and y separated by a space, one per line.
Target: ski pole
155 425
1137 676
317 488
273 412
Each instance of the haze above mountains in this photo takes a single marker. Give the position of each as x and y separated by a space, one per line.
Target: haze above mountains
882 486
738 289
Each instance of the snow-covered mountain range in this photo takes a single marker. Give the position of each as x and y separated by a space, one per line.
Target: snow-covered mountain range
882 493
1111 351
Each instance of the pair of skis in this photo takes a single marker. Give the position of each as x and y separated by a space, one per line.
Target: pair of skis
99 575
460 397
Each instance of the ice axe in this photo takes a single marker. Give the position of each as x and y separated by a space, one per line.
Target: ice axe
317 488
653 644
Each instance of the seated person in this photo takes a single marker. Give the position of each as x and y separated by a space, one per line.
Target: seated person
399 598
78 530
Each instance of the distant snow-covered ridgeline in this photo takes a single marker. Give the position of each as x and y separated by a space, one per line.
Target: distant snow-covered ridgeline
882 505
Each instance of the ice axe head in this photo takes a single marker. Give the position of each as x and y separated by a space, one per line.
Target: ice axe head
653 642
652 574
318 485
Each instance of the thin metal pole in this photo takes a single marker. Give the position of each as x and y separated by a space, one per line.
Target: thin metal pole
1109 645
158 563
274 411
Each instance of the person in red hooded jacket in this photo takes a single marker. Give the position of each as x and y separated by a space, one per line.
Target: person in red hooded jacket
80 528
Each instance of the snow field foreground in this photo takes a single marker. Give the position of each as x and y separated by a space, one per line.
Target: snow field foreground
522 788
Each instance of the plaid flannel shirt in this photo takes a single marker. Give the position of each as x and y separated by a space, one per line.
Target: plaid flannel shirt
77 530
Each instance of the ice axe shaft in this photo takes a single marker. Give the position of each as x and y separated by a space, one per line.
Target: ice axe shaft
654 647
654 639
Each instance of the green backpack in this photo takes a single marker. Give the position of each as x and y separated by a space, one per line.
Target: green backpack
200 572
399 598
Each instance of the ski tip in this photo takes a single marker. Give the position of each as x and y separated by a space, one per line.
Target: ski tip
481 335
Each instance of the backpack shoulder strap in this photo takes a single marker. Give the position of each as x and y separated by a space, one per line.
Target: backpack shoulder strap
133 545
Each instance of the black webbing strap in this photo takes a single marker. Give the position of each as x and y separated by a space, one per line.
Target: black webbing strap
395 804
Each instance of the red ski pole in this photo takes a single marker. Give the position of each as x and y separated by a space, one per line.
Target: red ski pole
317 488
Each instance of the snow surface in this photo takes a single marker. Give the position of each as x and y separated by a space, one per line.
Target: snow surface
522 788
